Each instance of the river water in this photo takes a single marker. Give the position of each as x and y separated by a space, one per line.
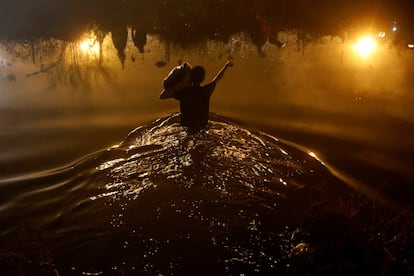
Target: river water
76 181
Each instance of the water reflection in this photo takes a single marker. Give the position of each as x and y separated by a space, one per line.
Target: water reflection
143 205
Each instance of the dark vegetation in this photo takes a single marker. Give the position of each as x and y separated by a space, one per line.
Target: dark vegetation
189 21
38 24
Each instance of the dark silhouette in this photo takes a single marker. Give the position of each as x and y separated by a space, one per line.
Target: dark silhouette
184 23
120 40
195 100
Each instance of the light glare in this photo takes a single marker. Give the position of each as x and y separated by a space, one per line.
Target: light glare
365 46
89 46
312 154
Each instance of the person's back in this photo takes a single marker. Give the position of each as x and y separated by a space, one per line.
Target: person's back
195 100
195 105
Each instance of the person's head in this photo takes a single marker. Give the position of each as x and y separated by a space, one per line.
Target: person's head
197 74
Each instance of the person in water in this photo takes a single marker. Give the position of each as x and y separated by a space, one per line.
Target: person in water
195 100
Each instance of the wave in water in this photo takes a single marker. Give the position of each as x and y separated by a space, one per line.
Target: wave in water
166 200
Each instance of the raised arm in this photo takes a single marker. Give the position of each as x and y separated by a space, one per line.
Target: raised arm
221 73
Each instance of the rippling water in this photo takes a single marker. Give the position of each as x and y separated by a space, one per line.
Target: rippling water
167 200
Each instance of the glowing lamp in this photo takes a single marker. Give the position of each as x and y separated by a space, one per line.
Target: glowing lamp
365 46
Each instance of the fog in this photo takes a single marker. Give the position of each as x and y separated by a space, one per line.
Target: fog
325 74
324 88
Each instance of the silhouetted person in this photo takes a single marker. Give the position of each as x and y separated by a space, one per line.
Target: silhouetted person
195 100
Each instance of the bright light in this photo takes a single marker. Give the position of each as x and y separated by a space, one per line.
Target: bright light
89 45
381 34
394 26
411 46
365 46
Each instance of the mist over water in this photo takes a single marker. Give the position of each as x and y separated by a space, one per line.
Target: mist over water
349 109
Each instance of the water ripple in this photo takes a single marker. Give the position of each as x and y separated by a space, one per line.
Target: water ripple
166 199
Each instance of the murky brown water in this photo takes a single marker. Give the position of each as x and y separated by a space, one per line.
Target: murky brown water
161 194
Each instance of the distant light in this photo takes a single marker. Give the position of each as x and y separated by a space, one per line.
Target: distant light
84 46
394 26
365 46
89 45
381 34
411 46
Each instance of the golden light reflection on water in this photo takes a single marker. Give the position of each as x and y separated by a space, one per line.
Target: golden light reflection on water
224 156
312 154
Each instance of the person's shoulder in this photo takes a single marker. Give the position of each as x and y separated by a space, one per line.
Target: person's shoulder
210 86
